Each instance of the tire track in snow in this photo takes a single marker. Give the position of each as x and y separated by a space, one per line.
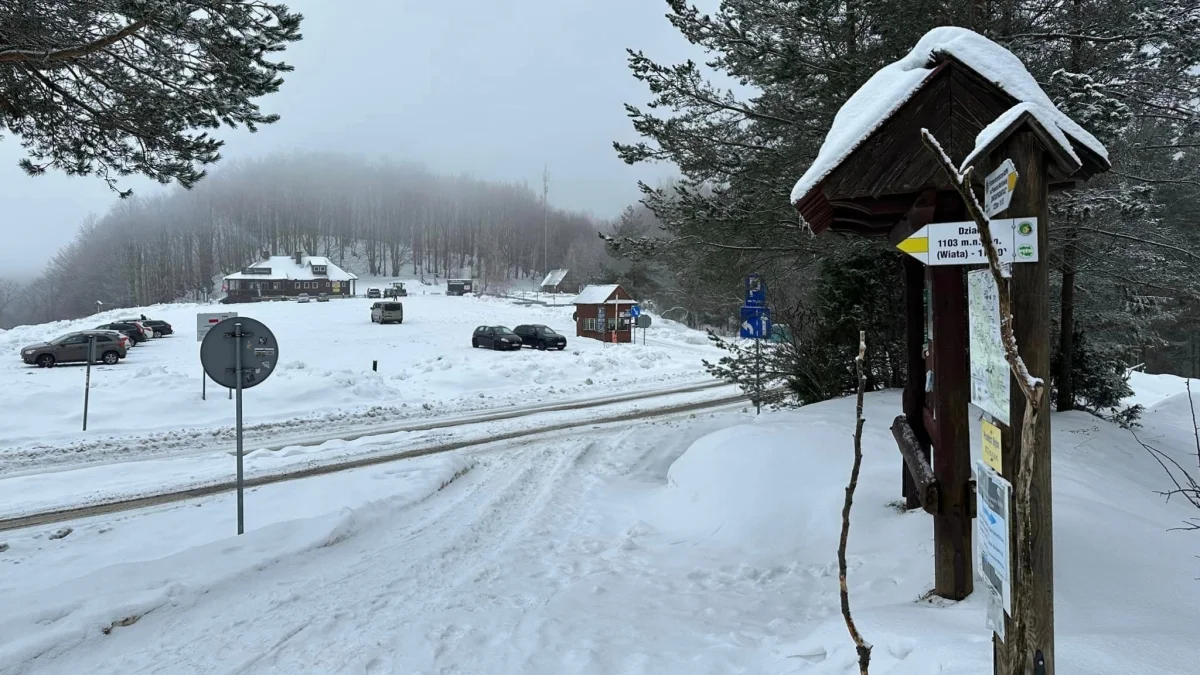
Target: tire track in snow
311 470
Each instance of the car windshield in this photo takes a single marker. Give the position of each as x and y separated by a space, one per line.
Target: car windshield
503 330
546 331
61 339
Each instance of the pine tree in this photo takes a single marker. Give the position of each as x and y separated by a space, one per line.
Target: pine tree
1129 72
120 87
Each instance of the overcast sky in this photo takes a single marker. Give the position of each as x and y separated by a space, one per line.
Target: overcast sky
494 89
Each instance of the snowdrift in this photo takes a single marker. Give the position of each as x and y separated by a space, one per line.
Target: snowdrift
1126 590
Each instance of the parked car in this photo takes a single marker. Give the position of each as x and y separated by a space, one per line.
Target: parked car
141 325
303 297
159 327
495 337
73 348
541 337
374 293
132 330
322 297
124 339
387 312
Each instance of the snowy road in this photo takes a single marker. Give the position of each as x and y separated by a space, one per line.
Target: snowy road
61 495
532 562
693 545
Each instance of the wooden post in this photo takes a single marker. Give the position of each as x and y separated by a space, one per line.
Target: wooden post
953 569
914 388
1033 570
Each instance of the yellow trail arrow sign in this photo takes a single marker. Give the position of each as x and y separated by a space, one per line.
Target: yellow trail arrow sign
958 243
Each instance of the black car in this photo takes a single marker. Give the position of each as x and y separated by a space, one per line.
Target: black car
495 337
135 334
541 337
159 327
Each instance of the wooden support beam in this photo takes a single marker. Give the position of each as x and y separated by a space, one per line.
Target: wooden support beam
952 527
914 388
1032 569
916 464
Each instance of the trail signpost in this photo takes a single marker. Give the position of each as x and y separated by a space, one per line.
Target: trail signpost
239 353
998 188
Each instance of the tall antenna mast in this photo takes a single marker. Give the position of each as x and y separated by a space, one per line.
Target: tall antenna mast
545 221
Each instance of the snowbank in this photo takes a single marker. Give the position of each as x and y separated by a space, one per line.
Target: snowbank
1126 594
1151 390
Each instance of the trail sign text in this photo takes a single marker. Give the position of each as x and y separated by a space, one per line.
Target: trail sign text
958 243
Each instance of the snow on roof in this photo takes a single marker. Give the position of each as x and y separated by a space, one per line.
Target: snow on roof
595 295
285 267
989 134
554 278
893 85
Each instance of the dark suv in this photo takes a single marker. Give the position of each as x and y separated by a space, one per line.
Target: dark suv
131 329
540 337
158 327
495 337
73 348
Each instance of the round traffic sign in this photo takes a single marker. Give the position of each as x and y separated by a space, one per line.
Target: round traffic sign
643 321
257 344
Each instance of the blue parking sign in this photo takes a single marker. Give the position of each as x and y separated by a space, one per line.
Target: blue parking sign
756 291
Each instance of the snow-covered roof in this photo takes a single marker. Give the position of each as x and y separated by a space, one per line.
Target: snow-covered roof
285 267
598 295
992 132
554 278
893 85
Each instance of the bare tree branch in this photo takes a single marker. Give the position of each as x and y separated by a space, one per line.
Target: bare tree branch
860 645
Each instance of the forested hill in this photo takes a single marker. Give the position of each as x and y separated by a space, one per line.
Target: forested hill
385 218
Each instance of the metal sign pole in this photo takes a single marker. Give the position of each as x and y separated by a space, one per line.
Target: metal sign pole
87 381
247 365
203 385
237 344
757 377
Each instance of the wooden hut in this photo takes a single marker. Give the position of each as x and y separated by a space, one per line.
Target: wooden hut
602 313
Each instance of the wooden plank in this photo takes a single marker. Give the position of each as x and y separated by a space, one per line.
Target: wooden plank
953 568
1031 326
917 465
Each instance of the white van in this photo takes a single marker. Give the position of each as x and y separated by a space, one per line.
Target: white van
386 312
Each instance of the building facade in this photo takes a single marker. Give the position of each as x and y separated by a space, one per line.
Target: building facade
287 277
603 313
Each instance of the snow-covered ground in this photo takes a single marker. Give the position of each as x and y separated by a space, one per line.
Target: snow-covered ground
696 545
150 405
